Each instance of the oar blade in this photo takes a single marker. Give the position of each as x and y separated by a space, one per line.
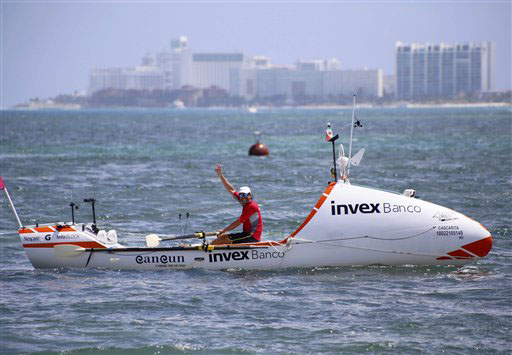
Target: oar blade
63 250
152 240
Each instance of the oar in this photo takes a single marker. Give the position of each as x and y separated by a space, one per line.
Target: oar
154 240
65 250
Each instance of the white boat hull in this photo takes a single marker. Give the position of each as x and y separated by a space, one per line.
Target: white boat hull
350 225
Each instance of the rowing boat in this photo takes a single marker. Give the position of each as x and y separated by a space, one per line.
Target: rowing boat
349 225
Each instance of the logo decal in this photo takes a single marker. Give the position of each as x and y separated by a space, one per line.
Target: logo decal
445 216
244 255
162 259
236 255
353 209
68 236
368 208
31 239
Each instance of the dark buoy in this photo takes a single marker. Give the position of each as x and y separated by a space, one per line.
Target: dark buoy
258 149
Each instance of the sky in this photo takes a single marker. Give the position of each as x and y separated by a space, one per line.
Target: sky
49 47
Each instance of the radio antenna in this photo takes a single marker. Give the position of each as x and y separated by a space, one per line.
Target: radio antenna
351 131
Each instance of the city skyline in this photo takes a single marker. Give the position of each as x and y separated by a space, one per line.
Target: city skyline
50 48
240 76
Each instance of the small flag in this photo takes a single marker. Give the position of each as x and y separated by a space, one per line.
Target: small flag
328 133
2 185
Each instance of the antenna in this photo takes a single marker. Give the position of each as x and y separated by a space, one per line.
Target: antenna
92 201
333 140
351 131
73 207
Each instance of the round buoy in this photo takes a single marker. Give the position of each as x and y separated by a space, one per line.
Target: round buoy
258 149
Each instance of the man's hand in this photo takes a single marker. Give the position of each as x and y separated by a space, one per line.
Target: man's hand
227 185
218 170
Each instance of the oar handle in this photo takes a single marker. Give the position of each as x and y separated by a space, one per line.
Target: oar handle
210 234
199 235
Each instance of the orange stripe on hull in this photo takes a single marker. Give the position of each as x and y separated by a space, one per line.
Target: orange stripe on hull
266 244
44 230
460 253
313 212
306 221
481 247
51 245
26 231
66 229
320 202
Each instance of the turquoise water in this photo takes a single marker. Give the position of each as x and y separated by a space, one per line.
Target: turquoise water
145 167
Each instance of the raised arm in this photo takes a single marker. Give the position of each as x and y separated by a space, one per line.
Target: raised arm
225 182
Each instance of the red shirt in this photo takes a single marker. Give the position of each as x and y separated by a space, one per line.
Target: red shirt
251 218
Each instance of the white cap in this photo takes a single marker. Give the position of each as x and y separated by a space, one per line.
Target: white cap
244 190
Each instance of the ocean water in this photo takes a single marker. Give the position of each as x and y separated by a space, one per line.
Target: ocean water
146 167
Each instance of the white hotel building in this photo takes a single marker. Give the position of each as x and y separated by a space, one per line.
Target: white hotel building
293 83
239 75
136 78
444 70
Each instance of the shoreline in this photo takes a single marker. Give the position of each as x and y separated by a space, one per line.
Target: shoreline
256 109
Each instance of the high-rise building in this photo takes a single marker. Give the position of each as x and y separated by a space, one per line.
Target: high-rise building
443 70
182 67
176 63
213 69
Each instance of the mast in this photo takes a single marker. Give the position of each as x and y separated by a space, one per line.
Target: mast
351 131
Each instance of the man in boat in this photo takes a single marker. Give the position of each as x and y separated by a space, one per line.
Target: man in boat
250 217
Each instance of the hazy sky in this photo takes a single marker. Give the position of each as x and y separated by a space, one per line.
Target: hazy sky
48 47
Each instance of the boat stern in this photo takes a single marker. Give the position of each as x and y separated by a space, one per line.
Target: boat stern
41 243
